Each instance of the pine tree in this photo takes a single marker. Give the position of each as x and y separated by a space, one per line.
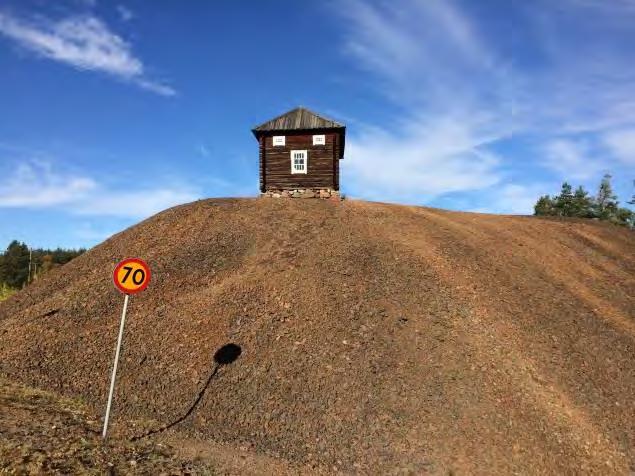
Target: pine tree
626 217
14 265
582 204
606 205
564 201
544 206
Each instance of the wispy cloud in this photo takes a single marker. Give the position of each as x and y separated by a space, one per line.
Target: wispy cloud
574 159
585 82
421 53
458 95
37 185
84 42
622 144
426 159
137 204
125 13
427 49
513 199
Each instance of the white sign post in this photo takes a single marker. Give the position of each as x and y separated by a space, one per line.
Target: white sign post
114 367
131 276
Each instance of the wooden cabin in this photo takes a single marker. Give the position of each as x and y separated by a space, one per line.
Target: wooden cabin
300 153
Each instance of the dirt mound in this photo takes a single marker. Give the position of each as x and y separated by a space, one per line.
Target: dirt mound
372 337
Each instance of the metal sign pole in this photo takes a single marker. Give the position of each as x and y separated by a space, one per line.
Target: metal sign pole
114 367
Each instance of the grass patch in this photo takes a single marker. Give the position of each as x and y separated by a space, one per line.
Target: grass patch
5 292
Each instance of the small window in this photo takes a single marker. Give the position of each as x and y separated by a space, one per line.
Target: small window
278 140
319 139
299 161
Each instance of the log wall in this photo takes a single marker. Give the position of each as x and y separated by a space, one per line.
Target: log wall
323 162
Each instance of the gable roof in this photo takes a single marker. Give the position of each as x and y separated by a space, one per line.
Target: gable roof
299 118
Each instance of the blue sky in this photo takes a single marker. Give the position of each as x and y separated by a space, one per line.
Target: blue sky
112 111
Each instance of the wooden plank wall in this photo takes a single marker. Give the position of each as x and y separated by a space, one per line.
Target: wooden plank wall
323 170
336 162
261 161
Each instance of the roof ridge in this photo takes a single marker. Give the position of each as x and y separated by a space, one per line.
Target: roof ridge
298 118
280 116
310 111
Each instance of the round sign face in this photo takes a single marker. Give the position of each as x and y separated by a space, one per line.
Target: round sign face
131 276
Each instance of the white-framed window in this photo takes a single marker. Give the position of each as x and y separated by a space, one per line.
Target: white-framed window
319 139
299 161
278 140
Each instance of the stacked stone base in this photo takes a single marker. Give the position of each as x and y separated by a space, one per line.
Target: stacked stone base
324 193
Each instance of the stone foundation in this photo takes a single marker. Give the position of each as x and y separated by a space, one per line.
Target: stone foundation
324 193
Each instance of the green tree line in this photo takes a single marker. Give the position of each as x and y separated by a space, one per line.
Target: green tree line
578 203
20 265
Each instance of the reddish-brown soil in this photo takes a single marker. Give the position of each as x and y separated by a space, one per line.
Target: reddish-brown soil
41 433
375 338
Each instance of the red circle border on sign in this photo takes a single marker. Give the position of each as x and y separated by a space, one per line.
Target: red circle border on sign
122 264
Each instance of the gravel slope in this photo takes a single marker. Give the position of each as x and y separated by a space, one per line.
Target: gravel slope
41 433
374 338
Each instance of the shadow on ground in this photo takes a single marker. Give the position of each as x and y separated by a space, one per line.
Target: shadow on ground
225 355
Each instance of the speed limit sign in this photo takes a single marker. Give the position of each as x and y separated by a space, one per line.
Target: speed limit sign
131 276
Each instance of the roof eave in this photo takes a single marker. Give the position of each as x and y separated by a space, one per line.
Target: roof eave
258 132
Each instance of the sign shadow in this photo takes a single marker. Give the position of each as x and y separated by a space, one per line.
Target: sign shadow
225 355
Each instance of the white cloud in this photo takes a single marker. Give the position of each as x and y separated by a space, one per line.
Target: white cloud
36 185
459 95
427 49
622 144
428 159
586 84
138 204
125 13
513 199
573 159
422 53
84 42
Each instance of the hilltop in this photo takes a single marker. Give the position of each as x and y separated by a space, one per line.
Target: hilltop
373 337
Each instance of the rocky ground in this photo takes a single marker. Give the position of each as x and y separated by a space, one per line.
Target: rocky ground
41 433
373 338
